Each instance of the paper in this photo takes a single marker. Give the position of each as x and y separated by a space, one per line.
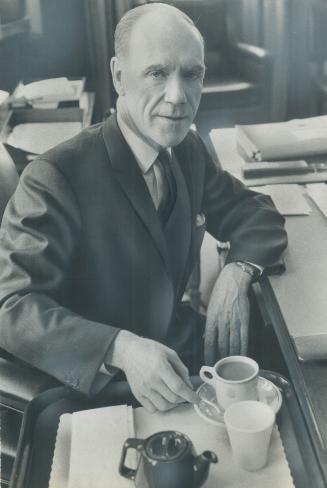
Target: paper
48 93
93 453
39 137
61 459
318 193
98 435
288 198
96 446
51 90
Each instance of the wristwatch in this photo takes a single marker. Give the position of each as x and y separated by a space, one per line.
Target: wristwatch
253 271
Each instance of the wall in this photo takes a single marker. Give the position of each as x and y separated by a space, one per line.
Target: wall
56 46
283 28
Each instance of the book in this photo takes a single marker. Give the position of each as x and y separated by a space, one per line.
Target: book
295 138
275 168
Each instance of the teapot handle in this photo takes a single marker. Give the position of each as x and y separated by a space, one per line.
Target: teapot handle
123 469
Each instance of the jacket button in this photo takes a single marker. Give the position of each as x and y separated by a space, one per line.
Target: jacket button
74 382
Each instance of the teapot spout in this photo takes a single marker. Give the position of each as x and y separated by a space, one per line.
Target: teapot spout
201 467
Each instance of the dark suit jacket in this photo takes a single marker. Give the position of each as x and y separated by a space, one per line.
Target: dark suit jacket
82 252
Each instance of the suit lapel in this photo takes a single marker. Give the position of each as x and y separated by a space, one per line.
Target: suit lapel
130 178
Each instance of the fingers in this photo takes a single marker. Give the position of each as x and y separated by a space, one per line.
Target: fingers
210 344
244 338
169 395
242 318
147 404
234 337
223 328
227 330
161 403
180 368
154 401
157 377
177 385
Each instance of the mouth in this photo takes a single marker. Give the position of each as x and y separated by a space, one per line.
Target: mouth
174 118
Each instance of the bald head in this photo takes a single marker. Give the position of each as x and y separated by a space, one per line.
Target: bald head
154 15
158 73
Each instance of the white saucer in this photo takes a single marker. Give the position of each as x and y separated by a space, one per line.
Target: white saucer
267 392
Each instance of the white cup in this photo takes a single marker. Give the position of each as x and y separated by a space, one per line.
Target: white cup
249 425
234 378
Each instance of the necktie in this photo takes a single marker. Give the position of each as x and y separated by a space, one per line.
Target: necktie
168 186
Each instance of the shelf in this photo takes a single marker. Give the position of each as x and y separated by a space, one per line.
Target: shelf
13 28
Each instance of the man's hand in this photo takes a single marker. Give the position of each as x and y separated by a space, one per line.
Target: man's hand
228 315
157 377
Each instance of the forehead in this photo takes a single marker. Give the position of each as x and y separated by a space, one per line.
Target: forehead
165 40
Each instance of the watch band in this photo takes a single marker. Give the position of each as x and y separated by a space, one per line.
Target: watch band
251 270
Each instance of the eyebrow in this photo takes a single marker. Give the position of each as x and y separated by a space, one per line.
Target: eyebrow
197 67
155 67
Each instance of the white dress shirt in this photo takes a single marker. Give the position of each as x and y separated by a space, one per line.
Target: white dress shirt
146 157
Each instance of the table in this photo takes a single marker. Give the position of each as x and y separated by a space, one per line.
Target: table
295 303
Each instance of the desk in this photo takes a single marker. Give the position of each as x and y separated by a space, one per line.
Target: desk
295 304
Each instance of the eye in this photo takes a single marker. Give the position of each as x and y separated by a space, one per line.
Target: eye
158 74
193 75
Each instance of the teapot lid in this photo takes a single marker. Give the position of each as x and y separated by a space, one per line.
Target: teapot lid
167 445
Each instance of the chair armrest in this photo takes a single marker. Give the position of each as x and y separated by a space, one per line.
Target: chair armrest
250 52
20 384
252 63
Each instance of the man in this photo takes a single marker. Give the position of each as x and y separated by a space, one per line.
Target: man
103 231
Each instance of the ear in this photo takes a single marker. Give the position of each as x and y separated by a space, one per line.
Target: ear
116 73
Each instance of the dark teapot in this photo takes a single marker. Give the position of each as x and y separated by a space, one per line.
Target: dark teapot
167 460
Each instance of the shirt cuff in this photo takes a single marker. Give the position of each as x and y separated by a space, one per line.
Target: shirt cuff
108 370
257 266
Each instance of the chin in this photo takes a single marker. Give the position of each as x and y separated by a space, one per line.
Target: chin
170 139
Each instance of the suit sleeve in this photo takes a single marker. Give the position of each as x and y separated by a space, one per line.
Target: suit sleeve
247 219
39 234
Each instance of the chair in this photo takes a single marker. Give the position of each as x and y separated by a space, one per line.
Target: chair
238 74
18 383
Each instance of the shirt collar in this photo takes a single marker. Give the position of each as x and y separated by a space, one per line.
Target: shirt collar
145 154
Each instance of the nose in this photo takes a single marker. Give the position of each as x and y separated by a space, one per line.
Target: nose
175 92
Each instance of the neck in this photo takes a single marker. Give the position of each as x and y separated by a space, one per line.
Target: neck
124 119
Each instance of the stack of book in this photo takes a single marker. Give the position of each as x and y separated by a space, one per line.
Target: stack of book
44 113
48 93
295 147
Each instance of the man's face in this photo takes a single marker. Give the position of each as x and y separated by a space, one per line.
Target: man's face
160 81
